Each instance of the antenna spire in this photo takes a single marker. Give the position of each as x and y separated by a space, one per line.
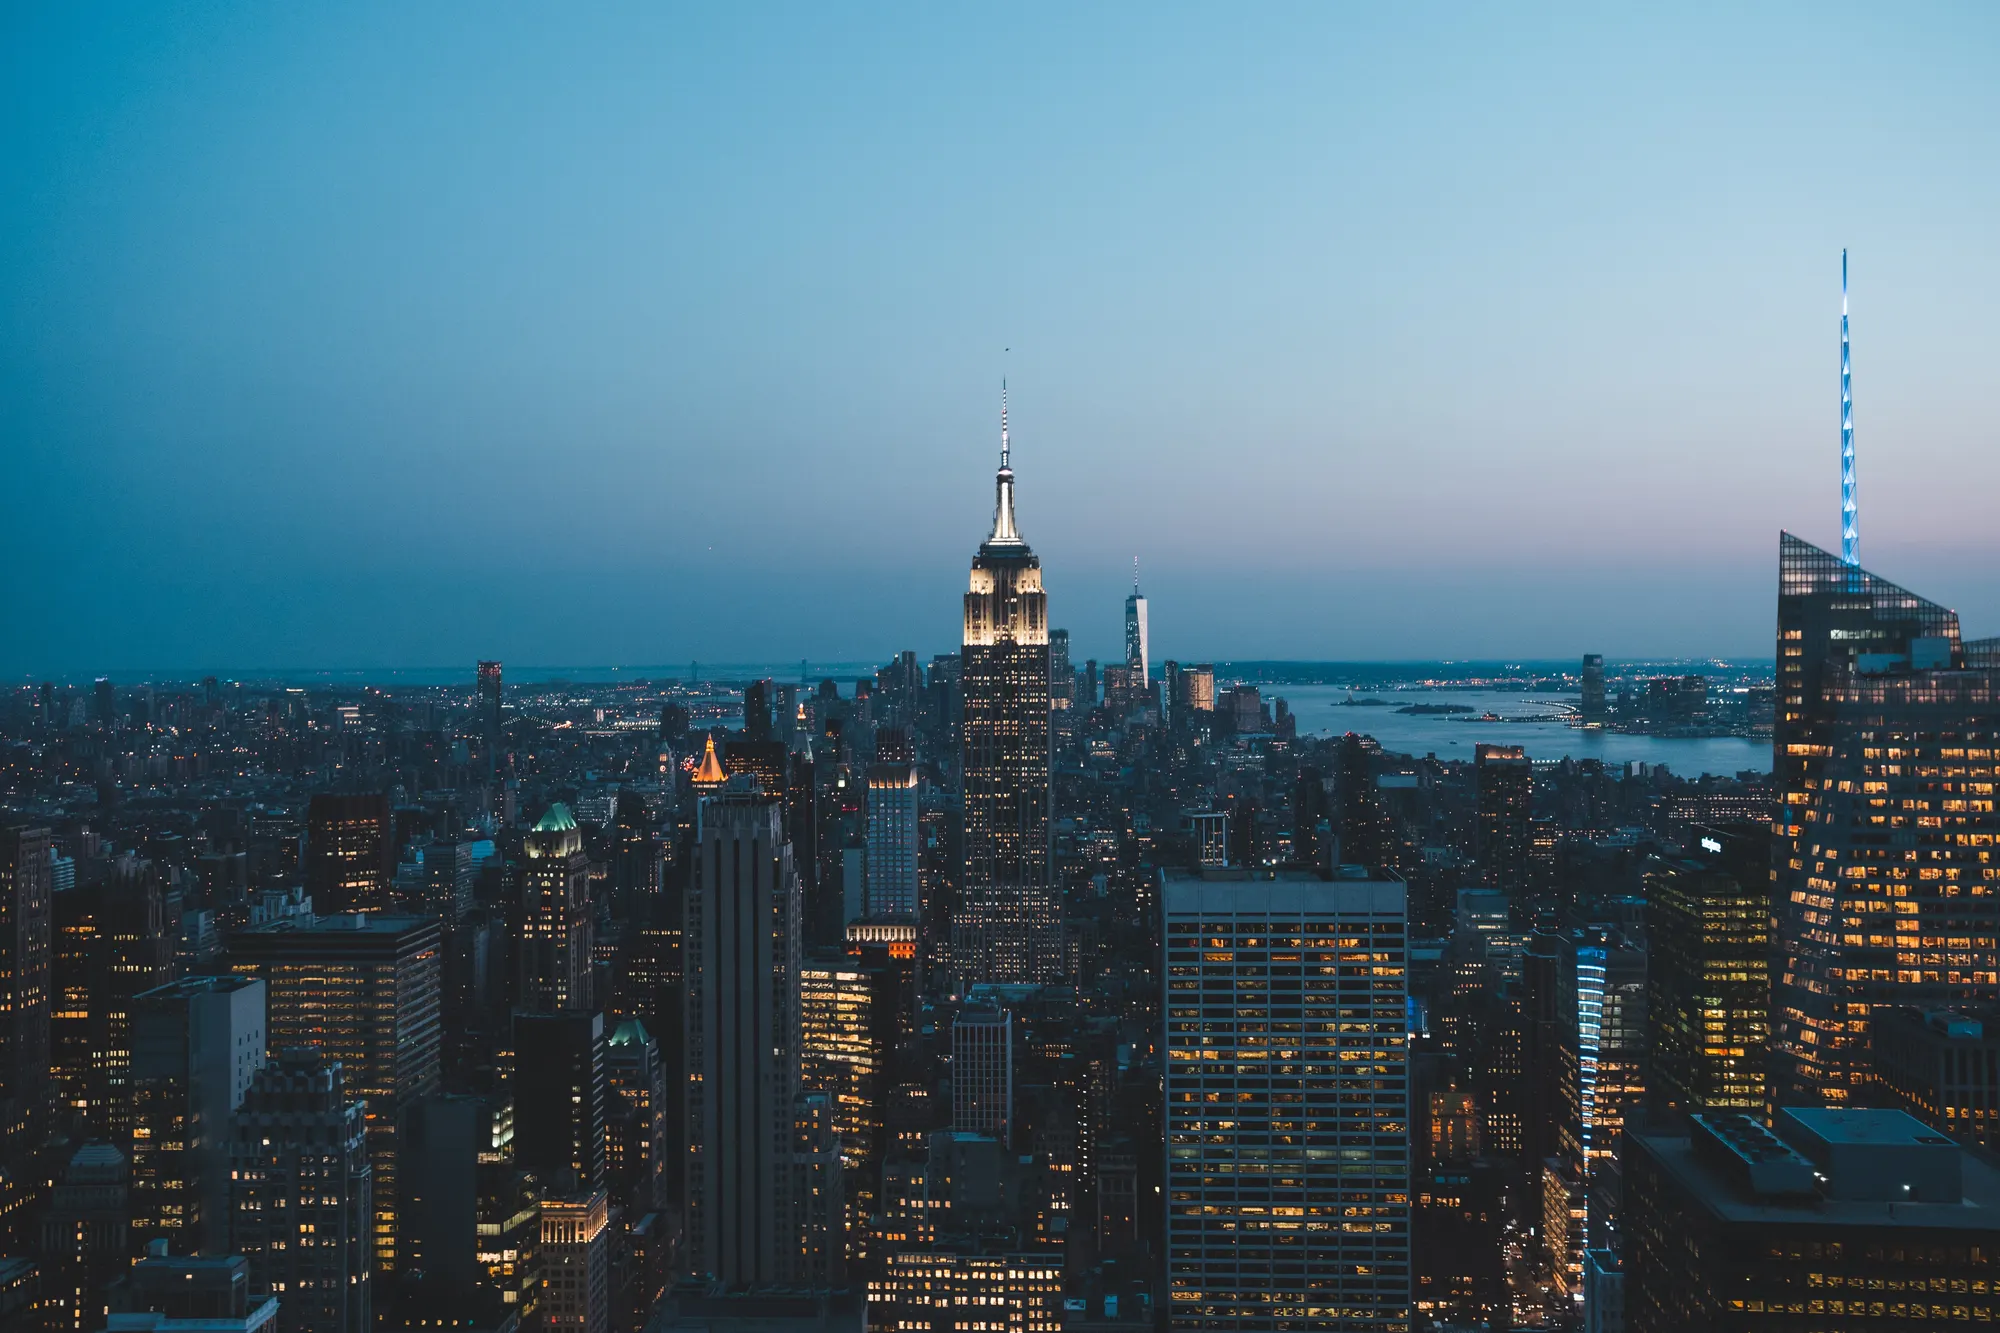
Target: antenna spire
1135 573
1850 533
1003 422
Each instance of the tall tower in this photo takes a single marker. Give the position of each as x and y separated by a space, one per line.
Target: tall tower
1007 929
1135 631
1850 534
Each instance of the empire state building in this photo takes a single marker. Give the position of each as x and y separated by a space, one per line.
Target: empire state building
1008 928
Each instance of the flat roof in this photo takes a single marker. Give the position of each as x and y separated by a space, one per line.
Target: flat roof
1978 1211
345 924
1860 1124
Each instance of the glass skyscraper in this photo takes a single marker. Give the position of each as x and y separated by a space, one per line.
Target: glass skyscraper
1885 880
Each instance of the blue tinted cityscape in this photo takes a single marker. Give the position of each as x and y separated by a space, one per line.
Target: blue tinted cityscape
1436 885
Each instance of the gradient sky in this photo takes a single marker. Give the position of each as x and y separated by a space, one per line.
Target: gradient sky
355 336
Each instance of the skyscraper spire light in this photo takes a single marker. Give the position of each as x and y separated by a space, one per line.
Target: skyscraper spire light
1850 534
1004 532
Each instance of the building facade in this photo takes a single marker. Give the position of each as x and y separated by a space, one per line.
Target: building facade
300 1199
1009 929
1287 1102
365 990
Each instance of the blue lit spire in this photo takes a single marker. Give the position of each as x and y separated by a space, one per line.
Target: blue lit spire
1850 535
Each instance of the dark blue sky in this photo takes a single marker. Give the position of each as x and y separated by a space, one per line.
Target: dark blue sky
351 336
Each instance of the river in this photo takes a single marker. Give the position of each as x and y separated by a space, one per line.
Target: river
1320 711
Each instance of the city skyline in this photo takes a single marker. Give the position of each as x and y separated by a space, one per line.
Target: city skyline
317 398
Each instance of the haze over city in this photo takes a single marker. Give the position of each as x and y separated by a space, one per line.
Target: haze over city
362 337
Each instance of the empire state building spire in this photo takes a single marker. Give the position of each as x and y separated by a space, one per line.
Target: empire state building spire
1004 532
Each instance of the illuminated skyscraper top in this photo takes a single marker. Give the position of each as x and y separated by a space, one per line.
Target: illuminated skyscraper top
1850 533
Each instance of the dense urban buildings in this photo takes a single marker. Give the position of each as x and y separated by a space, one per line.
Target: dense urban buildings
993 992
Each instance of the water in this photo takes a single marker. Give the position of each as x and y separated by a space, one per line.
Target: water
1319 710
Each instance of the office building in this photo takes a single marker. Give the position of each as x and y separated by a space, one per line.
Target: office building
196 1045
576 1264
1505 817
844 1056
893 843
1135 634
982 1073
1868 704
1708 972
300 1197
365 989
86 1239
350 862
745 1228
947 1291
1591 705
557 924
489 719
167 1293
111 941
25 953
1833 1218
636 1147
444 1136
1285 1001
1009 929
1942 1067
559 1099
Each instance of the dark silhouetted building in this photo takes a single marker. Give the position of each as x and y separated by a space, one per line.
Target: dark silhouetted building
1708 972
1832 1219
25 953
300 1199
350 854
559 1099
1506 815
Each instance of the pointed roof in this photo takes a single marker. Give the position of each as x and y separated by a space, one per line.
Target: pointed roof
1004 531
711 772
557 820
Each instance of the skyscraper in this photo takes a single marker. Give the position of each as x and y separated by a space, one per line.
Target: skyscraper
489 717
1708 973
745 1227
892 843
1591 705
1287 1101
367 991
350 854
559 1099
300 1196
1008 929
24 1024
196 1044
576 1264
556 922
1135 632
1506 812
1885 747
982 1073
